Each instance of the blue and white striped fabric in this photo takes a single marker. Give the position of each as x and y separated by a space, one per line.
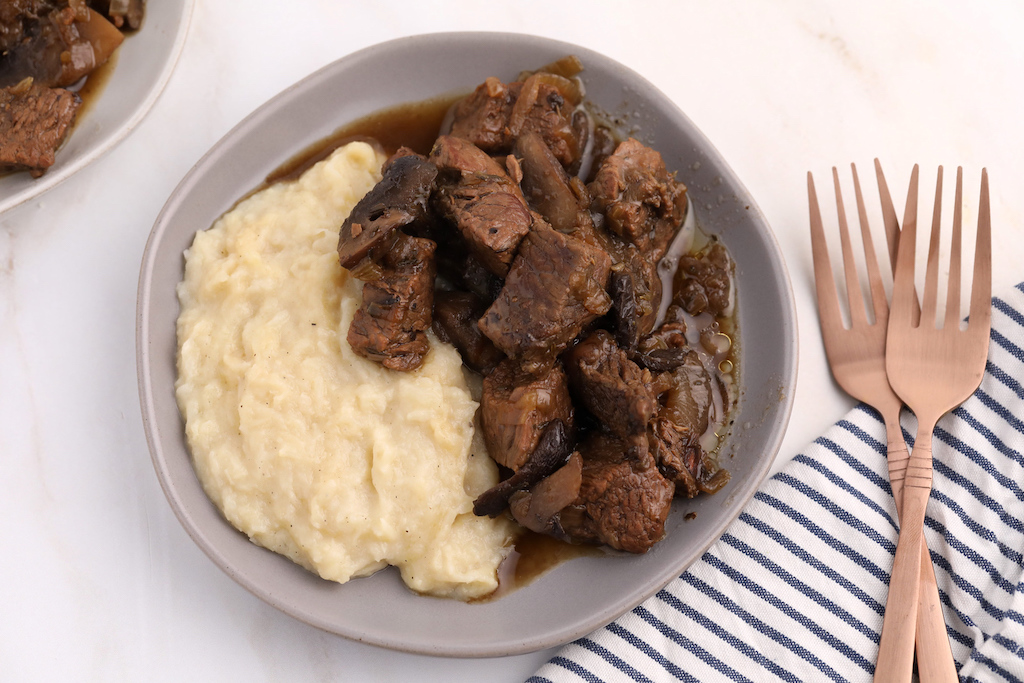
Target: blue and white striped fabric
795 589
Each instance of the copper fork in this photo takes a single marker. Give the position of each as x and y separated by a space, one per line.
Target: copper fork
933 369
857 358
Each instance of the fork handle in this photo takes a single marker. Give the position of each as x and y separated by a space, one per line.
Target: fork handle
935 662
896 649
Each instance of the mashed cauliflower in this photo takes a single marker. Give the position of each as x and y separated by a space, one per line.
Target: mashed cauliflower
325 457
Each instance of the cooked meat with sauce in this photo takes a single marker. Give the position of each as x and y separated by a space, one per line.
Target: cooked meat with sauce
390 326
516 406
33 123
641 202
703 282
476 194
47 46
611 386
623 501
547 233
556 286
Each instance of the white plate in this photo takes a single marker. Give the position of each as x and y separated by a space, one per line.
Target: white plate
144 65
582 594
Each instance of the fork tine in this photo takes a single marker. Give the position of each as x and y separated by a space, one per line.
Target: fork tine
825 285
879 304
931 276
981 286
952 319
892 227
903 294
854 296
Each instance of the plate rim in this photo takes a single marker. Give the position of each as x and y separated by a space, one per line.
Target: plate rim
55 177
511 646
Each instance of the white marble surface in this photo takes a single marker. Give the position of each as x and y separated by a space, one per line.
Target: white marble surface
98 581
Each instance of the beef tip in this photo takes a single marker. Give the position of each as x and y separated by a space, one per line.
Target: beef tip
538 508
496 114
641 201
33 123
516 406
688 401
609 385
476 194
482 118
546 185
399 199
624 501
455 318
555 287
390 325
703 281
552 452
545 106
678 454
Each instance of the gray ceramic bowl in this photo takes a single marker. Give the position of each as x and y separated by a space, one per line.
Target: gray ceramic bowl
144 65
577 596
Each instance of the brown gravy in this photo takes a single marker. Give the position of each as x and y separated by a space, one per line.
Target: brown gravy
93 86
414 125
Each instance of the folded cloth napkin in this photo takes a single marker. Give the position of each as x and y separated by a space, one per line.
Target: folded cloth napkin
795 589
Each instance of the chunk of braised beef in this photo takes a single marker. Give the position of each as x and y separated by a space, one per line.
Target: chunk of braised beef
33 123
608 384
641 201
390 325
552 452
496 114
555 287
482 117
679 455
399 199
455 322
703 281
516 406
476 194
545 106
624 500
538 508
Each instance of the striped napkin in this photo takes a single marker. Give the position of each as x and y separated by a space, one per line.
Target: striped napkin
795 589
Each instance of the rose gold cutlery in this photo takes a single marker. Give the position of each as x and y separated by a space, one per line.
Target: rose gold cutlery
933 369
857 359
